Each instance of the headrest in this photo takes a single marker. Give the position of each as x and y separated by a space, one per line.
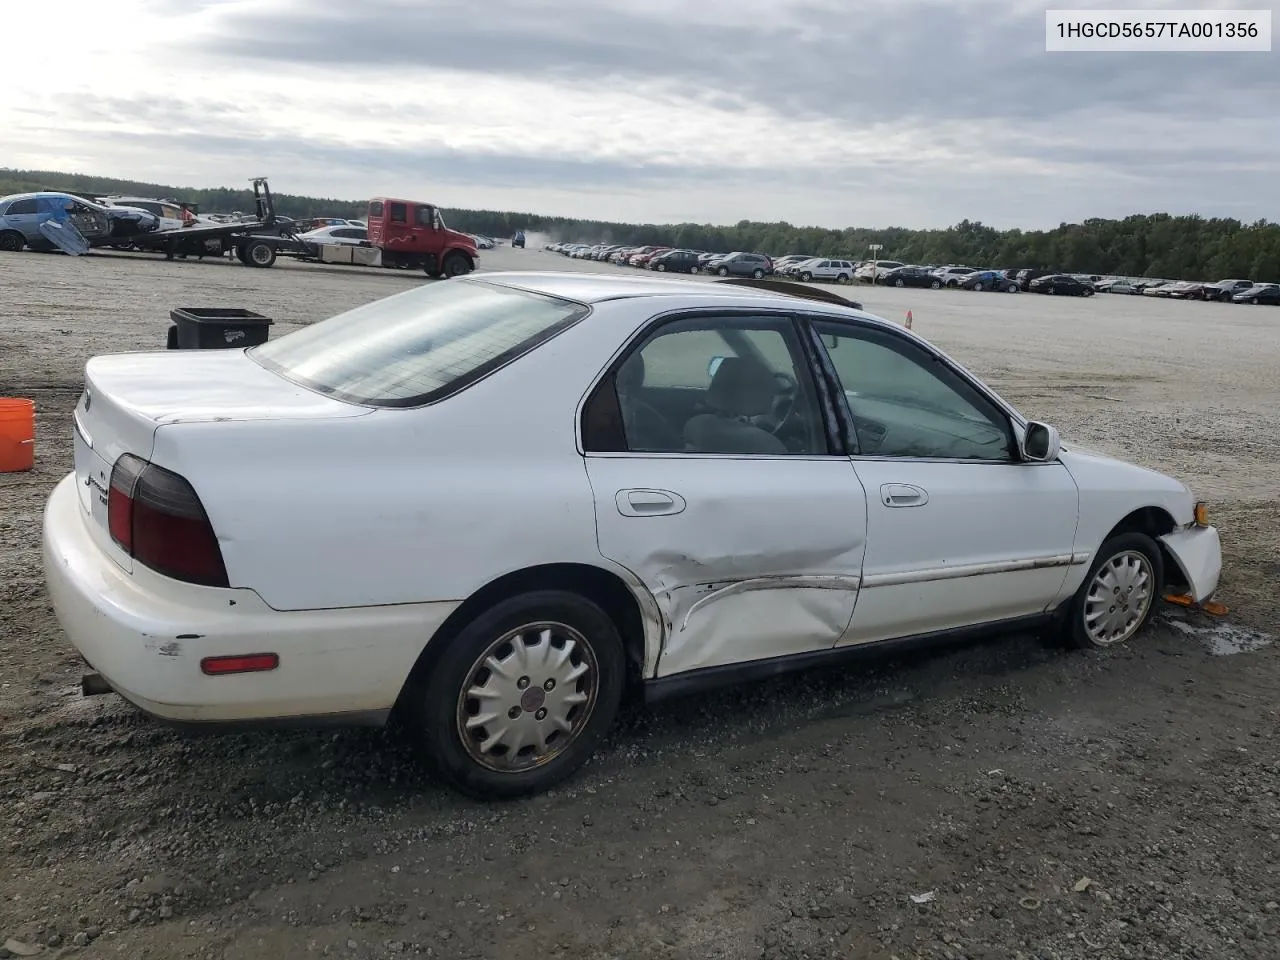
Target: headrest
741 388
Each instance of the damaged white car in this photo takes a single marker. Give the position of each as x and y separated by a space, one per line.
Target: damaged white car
500 503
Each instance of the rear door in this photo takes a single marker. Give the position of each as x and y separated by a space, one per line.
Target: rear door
24 216
751 552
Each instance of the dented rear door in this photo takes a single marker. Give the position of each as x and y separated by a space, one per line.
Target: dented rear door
748 557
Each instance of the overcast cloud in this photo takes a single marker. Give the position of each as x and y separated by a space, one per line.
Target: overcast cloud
837 112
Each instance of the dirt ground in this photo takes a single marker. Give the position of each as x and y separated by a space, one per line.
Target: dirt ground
1005 799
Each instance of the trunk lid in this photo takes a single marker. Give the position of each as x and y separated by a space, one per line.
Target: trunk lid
128 396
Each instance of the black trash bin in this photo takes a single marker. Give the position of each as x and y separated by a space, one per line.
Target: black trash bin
213 328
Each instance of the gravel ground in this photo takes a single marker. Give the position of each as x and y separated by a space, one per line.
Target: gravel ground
1004 799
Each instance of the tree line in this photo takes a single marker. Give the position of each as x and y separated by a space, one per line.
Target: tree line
1152 245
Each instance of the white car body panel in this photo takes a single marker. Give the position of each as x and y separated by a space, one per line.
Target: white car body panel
985 542
350 533
1198 554
146 634
770 570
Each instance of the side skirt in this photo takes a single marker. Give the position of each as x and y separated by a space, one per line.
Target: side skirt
711 678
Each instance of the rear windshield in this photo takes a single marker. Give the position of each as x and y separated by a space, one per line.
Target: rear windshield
419 346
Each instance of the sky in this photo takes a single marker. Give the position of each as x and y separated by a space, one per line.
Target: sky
872 113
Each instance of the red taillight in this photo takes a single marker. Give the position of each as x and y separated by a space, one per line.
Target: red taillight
156 517
245 663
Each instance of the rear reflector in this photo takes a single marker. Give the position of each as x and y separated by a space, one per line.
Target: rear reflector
246 663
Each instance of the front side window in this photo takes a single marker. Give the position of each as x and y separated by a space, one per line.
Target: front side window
733 385
907 403
19 207
423 216
418 346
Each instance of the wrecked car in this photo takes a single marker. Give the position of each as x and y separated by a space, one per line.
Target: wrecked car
22 214
500 503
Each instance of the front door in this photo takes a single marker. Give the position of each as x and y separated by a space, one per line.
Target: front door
717 485
960 530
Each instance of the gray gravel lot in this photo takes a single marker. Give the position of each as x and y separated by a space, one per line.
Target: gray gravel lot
1046 804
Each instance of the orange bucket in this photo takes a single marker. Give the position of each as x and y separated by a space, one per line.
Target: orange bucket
17 434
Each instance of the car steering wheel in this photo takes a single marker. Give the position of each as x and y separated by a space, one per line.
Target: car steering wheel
783 405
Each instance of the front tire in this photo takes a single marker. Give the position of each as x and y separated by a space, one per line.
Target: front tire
522 695
456 265
723 271
806 277
936 284
899 283
1119 594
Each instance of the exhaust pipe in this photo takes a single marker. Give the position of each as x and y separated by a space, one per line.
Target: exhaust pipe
92 685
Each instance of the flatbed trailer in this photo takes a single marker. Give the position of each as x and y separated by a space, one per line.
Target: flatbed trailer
256 243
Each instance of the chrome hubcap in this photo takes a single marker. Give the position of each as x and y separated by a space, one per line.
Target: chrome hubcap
1118 598
527 697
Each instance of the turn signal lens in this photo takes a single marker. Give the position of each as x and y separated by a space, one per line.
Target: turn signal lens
1202 514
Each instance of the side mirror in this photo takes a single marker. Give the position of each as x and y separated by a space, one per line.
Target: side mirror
1040 443
714 365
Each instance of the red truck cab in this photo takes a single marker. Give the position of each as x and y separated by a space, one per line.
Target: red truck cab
412 234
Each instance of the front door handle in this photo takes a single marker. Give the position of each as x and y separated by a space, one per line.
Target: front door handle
649 503
903 495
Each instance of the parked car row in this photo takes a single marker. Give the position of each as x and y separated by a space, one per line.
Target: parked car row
894 273
739 263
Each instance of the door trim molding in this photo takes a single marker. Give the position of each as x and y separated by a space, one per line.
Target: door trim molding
961 571
808 582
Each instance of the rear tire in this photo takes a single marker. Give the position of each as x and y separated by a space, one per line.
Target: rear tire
1129 569
443 718
11 241
259 253
757 274
842 278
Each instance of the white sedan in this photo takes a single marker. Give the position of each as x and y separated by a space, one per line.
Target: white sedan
501 503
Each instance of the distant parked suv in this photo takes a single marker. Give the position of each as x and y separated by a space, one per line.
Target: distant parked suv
744 265
1224 290
952 275
872 270
841 271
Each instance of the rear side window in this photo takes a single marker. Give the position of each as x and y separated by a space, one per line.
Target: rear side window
375 209
419 346
399 213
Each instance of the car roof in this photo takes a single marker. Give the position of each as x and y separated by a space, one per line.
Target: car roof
592 288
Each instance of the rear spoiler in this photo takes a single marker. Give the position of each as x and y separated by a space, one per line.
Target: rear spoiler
793 290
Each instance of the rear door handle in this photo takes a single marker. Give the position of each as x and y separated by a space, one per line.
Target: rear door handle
649 503
903 495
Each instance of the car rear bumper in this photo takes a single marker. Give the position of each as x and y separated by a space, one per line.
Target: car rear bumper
146 635
1198 553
